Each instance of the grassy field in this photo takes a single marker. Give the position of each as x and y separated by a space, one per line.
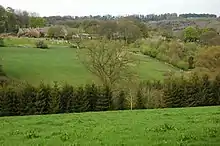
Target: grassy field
60 64
29 42
169 127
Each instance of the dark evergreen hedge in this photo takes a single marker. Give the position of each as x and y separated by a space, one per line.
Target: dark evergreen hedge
46 99
191 92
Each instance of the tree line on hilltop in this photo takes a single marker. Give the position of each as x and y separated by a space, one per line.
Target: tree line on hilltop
11 19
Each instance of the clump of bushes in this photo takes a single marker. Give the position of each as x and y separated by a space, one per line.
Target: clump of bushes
72 45
182 65
41 44
173 52
2 44
33 33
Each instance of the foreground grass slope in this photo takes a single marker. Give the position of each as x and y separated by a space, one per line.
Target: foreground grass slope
186 126
61 64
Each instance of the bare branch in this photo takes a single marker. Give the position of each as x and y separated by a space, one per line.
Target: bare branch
108 60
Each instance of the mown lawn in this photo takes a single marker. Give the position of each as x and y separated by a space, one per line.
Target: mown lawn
169 127
61 64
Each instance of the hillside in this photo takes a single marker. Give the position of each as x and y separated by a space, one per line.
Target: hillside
185 126
61 64
181 24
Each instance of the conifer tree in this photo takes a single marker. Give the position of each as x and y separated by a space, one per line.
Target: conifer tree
54 99
174 92
28 99
81 102
207 93
140 101
92 96
216 90
13 102
121 99
169 93
104 101
1 101
43 99
66 96
9 99
192 91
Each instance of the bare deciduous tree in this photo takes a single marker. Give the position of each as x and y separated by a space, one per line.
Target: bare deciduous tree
110 61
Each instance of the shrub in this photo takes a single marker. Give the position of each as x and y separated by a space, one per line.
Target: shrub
34 33
164 47
73 46
182 65
152 52
215 41
2 44
190 49
209 58
191 62
163 57
20 33
57 32
208 38
168 34
191 34
155 43
41 44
